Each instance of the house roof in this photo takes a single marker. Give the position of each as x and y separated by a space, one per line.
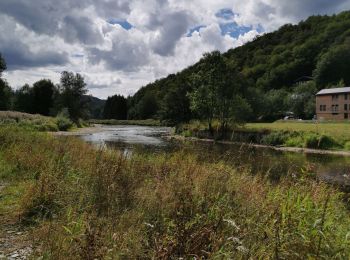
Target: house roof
333 91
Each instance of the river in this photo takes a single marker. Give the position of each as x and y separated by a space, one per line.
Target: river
330 168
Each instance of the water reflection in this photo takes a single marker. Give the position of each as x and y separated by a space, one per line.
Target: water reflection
330 168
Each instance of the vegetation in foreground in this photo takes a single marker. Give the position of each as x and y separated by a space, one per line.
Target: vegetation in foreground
100 204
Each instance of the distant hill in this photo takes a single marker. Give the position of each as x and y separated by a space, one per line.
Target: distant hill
95 106
271 64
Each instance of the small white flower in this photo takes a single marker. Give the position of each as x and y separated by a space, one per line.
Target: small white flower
232 223
242 249
149 225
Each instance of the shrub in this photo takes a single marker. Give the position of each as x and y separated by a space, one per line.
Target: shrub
275 138
64 123
311 141
295 141
347 146
319 141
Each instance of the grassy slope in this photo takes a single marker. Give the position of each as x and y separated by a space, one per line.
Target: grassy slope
98 204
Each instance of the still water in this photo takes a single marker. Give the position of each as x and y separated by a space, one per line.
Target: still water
331 168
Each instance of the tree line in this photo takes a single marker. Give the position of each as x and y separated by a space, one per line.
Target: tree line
46 98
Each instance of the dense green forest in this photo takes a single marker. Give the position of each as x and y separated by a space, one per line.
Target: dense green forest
276 73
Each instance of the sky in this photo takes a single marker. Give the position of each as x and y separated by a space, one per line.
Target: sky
121 45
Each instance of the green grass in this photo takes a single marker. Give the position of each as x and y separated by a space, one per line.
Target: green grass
146 122
339 131
100 204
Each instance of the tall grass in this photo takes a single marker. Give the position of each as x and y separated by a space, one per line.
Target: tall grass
90 204
36 122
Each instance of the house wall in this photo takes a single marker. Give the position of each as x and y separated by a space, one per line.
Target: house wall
330 101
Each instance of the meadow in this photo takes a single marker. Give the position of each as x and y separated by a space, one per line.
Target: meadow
99 204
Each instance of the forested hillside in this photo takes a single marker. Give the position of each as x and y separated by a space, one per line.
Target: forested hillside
275 73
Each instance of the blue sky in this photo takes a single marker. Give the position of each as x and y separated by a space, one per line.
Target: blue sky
121 45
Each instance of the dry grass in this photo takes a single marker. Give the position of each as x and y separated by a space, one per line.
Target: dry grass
89 204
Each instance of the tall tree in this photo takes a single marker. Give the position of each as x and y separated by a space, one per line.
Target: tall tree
2 65
24 99
5 90
72 89
43 96
175 107
217 88
115 108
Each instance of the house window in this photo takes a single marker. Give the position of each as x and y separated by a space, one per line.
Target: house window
346 116
346 96
345 107
335 108
322 107
335 97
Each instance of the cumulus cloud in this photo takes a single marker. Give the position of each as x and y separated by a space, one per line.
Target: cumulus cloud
120 45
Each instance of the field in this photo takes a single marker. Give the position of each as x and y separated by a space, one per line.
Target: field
338 130
99 204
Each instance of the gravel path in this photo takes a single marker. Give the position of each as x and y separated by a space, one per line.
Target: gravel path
14 243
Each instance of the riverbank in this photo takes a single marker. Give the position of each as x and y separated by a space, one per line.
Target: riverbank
284 149
84 203
146 122
292 136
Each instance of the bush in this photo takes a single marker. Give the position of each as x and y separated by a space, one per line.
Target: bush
64 123
347 146
311 141
319 141
295 141
275 138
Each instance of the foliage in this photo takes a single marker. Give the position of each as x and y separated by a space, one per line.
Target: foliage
5 95
175 108
43 94
100 204
115 108
302 100
217 91
334 66
2 65
63 121
71 92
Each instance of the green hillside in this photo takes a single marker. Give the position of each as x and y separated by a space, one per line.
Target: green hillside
269 70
